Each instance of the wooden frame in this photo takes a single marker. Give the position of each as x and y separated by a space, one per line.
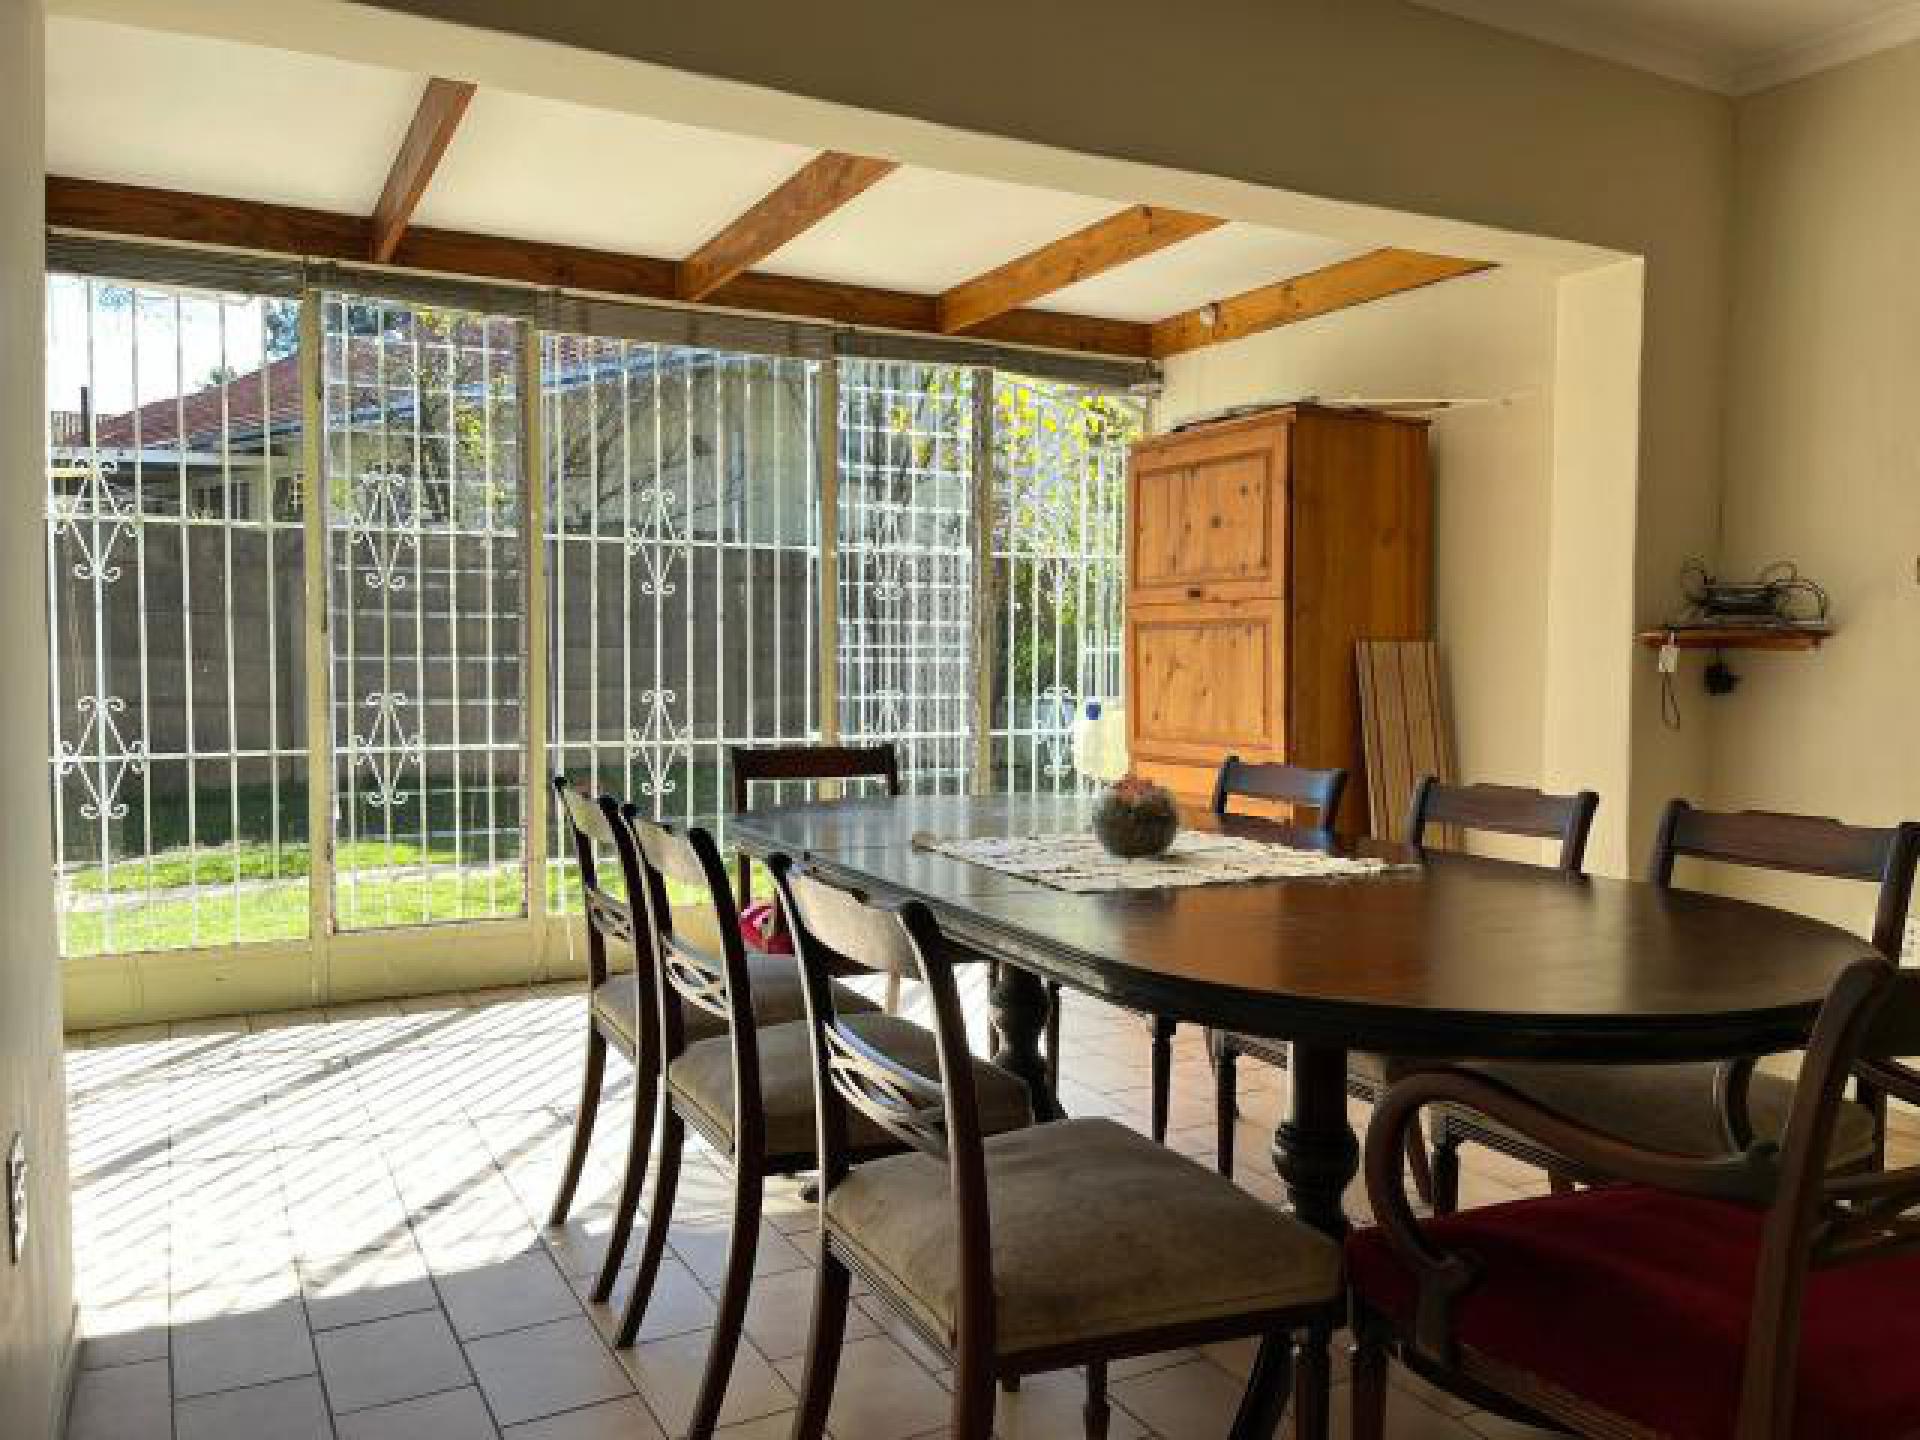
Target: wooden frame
1872 1015
800 202
939 1116
442 107
1137 231
717 274
110 208
593 822
1373 276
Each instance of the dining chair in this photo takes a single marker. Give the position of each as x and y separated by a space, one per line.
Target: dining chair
1696 1109
1491 809
1070 1244
1751 1294
750 765
1318 791
744 1086
622 1015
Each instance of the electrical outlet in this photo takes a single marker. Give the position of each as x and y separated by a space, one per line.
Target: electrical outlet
17 1198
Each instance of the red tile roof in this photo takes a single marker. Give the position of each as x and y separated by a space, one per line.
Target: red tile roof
267 398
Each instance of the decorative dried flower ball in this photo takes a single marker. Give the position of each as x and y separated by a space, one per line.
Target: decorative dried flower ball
1135 818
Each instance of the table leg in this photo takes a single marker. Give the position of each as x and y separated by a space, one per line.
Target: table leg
1020 1009
1314 1149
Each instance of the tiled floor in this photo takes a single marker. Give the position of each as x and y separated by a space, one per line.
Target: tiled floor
321 1225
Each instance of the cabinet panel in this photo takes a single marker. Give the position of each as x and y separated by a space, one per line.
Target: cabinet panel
1210 520
1206 679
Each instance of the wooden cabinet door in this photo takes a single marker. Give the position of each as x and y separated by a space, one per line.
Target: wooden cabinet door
1206 680
1208 517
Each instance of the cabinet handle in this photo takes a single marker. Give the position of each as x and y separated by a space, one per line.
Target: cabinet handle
1194 592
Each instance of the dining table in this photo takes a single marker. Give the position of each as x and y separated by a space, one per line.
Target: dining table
1439 955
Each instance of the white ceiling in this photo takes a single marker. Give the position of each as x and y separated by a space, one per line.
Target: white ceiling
1735 46
212 116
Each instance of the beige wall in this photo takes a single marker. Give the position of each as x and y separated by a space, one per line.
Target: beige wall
36 1304
1490 336
1823 450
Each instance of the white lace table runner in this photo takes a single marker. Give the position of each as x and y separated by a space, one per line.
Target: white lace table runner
1079 863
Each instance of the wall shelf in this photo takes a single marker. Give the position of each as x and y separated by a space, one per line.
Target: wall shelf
1738 637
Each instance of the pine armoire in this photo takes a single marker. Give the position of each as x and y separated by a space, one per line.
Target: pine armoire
1259 550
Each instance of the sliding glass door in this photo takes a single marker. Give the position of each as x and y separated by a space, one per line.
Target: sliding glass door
371 571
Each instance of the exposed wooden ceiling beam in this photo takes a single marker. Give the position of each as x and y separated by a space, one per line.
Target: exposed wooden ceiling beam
796 205
1134 232
106 208
442 106
1372 276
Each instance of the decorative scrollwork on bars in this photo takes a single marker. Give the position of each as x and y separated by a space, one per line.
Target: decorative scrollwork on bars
382 518
660 545
102 756
95 518
657 741
1058 705
387 749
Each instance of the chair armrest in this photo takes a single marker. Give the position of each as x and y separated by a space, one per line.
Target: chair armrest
1890 1077
1443 1278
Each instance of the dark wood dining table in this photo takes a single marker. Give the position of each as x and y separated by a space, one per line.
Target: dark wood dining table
1449 956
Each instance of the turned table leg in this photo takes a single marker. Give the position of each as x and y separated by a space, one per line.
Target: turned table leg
1314 1148
1020 1007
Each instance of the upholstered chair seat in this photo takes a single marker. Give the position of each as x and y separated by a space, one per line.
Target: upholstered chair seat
778 998
1640 1302
703 1077
1197 1247
1673 1107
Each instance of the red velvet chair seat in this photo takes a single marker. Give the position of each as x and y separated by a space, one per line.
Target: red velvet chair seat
1638 1301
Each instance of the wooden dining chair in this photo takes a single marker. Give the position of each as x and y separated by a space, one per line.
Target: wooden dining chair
1697 1109
1752 1294
1490 809
623 1013
1316 791
1056 1246
749 765
743 1085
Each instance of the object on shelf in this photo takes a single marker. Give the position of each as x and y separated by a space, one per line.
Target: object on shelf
1779 609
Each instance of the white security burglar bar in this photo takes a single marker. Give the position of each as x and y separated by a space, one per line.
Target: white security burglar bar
368 570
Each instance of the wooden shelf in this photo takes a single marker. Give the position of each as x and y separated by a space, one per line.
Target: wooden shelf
1738 637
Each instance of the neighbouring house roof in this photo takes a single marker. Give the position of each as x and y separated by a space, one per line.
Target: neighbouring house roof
246 405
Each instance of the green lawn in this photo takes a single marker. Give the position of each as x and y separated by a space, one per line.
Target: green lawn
190 900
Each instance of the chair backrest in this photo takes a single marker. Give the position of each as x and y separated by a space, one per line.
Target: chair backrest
1506 810
1800 844
939 1115
749 765
1817 1217
1295 785
591 823
658 858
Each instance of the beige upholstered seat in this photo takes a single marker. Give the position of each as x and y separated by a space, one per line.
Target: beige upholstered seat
1065 1199
1670 1107
777 999
703 1075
